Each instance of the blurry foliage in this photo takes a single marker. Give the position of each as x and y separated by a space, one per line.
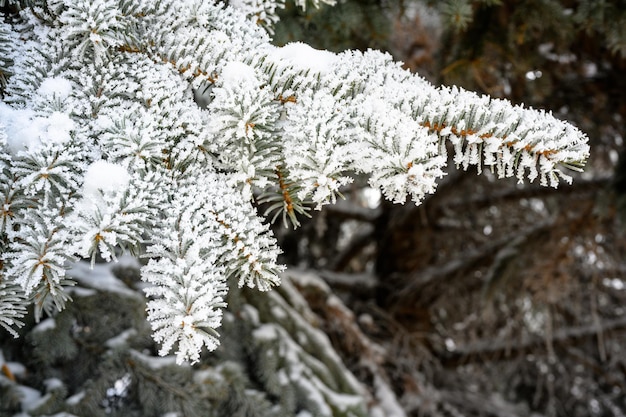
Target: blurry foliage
495 299
96 358
348 25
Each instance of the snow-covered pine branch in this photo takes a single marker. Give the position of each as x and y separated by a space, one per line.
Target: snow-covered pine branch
153 126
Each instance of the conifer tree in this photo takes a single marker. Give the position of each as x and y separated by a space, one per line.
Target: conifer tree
159 128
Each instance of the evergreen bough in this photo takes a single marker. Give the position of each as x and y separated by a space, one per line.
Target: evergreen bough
157 128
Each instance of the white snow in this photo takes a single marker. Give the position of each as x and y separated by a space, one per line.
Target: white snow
307 279
238 72
387 399
106 177
207 376
29 397
371 197
156 362
127 261
614 283
55 86
27 131
121 339
17 369
252 314
120 387
45 325
278 312
76 398
53 384
58 127
265 332
100 278
81 292
305 57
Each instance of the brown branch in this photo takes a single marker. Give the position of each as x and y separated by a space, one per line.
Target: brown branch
357 243
480 404
436 127
289 99
344 209
182 69
418 280
284 188
356 284
528 191
495 349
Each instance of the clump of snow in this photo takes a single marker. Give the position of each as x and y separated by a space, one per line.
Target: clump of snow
55 86
58 127
26 131
305 279
304 57
53 384
30 398
15 368
371 197
105 177
238 72
81 292
127 261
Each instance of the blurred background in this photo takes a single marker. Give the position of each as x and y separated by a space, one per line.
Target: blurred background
495 298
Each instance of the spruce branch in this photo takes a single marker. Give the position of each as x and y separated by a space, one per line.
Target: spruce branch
12 200
284 200
37 257
109 222
243 131
194 252
13 306
118 83
188 285
46 173
7 37
293 358
91 28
